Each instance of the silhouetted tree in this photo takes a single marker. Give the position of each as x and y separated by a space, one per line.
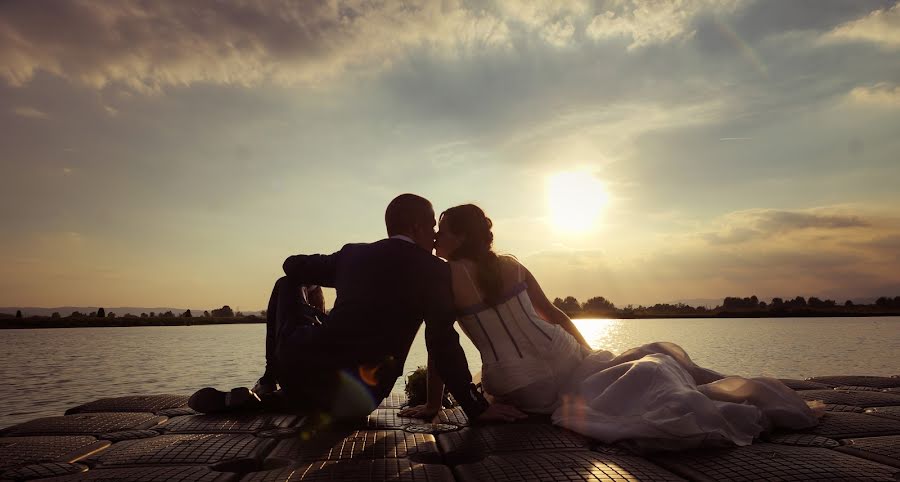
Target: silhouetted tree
206 314
101 313
110 315
814 302
239 314
223 312
263 313
848 303
599 304
569 305
18 313
76 314
93 314
187 314
777 303
737 303
143 315
152 314
55 315
167 314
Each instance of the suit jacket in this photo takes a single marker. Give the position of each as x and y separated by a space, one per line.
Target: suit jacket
385 290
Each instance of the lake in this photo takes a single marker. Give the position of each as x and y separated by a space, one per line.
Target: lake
44 372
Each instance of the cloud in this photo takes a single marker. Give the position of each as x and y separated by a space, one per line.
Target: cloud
648 22
30 112
743 226
886 245
882 94
881 27
828 251
148 46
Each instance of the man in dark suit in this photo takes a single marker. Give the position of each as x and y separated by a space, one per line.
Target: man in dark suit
347 365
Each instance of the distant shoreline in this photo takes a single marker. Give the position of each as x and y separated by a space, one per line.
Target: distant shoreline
662 316
45 322
42 322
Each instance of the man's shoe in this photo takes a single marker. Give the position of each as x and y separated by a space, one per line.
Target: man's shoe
210 400
264 387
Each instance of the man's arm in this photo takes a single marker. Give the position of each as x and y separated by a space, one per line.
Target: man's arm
450 364
444 348
312 269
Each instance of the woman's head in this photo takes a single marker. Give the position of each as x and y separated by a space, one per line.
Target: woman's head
464 232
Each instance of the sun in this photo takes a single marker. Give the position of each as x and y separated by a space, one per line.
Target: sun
576 200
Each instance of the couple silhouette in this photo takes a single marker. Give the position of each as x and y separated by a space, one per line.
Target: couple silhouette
534 359
344 364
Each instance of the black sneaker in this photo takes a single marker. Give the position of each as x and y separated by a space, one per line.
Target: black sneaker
210 400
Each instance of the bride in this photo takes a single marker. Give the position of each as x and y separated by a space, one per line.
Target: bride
652 397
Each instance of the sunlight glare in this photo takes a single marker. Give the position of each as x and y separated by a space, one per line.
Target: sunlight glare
576 199
601 333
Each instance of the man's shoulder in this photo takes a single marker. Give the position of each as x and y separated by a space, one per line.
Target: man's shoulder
404 251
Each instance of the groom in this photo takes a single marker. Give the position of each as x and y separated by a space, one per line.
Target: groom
347 365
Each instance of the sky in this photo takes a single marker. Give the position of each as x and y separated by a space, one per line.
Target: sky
173 153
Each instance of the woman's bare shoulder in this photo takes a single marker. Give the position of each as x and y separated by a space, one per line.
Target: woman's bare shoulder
460 268
513 271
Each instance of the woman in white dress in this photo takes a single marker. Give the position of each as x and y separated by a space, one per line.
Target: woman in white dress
652 397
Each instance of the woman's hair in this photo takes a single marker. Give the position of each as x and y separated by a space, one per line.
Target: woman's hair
469 222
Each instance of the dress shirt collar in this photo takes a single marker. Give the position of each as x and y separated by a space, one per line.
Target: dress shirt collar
403 237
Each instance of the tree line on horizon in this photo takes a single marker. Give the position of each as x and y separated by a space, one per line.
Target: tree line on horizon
595 306
223 312
600 306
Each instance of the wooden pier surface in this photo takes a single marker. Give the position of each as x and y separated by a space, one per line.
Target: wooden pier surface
157 438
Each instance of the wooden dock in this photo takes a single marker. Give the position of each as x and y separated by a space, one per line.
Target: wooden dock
157 438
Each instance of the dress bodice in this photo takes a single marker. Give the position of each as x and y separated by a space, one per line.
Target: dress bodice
509 330
524 357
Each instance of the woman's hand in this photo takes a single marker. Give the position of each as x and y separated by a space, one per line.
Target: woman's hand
425 412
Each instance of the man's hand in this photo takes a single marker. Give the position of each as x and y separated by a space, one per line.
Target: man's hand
500 412
316 298
425 412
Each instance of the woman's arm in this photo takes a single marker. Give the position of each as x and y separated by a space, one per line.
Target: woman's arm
548 311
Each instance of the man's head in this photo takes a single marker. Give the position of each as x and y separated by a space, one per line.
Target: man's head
412 216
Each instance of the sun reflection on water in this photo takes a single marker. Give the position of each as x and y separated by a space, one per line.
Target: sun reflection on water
602 333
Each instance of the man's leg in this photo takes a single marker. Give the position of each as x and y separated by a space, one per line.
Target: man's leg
330 393
283 313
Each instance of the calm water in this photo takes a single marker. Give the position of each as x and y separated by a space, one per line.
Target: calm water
44 372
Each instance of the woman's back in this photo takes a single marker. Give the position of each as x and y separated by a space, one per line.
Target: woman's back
524 357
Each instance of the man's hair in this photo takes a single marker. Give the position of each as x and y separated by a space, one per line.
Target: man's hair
406 211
